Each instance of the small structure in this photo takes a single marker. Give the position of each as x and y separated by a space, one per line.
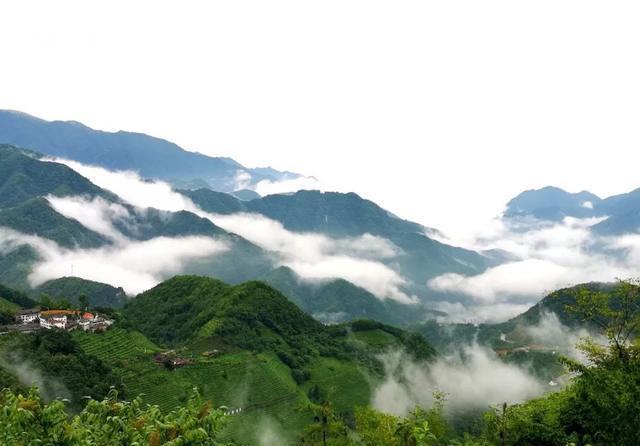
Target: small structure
171 360
27 316
30 320
62 319
94 322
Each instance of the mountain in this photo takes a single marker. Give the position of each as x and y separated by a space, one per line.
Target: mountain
71 288
23 176
342 215
25 182
341 301
151 157
622 211
552 203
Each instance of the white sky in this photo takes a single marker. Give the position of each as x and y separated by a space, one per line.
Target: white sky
439 111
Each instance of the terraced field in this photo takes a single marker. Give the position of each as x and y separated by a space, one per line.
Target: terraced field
115 344
259 384
343 383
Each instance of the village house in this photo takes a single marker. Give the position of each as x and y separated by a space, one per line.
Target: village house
27 316
33 319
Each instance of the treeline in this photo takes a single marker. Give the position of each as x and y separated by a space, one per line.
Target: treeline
25 420
600 407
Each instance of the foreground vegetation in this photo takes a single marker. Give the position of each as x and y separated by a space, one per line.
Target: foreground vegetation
248 348
26 420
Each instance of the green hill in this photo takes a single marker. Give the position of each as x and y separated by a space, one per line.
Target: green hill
36 217
349 215
246 347
23 176
98 294
341 301
25 180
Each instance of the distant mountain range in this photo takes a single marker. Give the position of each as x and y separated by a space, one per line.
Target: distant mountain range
149 156
26 182
554 204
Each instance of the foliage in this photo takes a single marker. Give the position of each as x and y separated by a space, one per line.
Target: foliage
54 360
72 288
25 420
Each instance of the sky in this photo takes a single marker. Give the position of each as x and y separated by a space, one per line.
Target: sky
438 111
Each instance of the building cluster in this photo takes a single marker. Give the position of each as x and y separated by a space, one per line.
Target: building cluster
33 319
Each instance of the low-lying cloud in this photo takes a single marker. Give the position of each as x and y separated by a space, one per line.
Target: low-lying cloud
96 214
268 187
550 256
317 258
129 186
472 378
29 375
551 332
135 266
314 257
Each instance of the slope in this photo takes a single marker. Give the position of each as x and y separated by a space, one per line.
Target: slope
151 157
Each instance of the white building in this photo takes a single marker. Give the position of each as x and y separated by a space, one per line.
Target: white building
28 316
63 319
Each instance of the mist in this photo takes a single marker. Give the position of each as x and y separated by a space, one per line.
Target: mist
471 378
549 256
314 257
134 265
29 375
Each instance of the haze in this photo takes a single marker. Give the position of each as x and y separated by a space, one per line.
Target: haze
438 111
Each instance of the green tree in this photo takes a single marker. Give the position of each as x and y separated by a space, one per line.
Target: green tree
83 302
26 420
327 428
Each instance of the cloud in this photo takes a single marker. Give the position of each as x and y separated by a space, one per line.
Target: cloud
269 187
478 312
135 266
314 257
473 377
549 331
587 205
96 214
129 186
242 180
317 258
549 256
29 375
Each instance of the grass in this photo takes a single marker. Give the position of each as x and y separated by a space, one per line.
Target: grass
345 385
258 383
377 339
5 305
115 344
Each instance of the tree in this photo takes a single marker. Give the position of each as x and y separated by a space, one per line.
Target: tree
83 302
327 429
45 301
616 312
25 420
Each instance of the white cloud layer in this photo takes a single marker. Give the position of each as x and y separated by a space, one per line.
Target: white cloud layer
268 187
96 214
550 256
129 186
474 377
314 257
135 265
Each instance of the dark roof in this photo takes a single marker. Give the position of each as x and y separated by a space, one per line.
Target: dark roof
27 311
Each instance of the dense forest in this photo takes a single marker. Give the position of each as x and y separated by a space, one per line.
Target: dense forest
600 405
